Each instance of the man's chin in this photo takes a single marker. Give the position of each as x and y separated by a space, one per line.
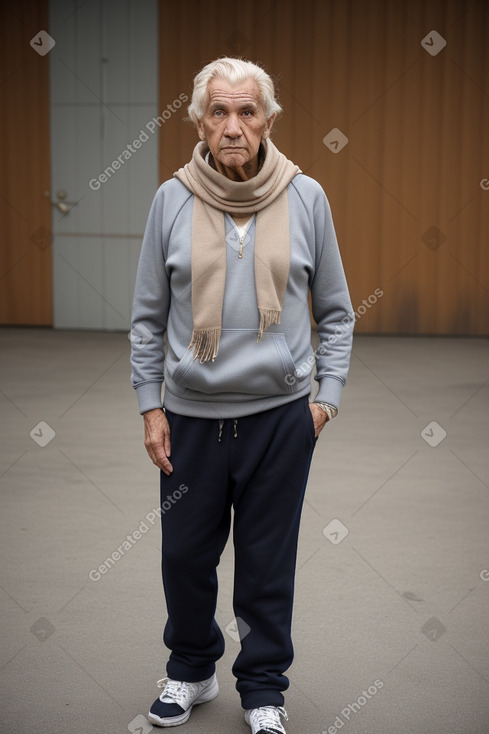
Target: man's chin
233 157
239 165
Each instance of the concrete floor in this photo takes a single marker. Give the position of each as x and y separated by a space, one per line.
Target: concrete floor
391 619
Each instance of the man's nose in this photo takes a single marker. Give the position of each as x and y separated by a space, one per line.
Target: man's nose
233 127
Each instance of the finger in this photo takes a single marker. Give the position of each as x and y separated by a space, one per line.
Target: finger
159 458
167 442
164 464
166 452
314 419
319 418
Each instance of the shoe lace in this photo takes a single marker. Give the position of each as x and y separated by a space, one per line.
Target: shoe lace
175 691
268 716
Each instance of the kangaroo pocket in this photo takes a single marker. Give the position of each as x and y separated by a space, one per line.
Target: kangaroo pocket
242 365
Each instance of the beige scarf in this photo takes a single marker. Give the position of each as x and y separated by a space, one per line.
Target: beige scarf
214 194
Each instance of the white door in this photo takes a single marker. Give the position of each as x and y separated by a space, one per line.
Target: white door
103 94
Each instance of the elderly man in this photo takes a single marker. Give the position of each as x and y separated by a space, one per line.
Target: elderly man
233 245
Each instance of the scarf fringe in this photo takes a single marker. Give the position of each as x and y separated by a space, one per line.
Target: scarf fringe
268 316
205 343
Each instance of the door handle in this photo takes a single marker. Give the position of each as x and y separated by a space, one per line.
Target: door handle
61 204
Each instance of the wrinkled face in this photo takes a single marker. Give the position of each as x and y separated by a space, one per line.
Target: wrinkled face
234 125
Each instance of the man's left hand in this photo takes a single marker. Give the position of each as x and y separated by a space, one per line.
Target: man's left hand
319 417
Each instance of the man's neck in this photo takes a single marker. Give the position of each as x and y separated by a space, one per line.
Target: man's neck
241 173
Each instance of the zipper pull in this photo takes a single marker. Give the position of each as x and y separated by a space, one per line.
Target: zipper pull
241 240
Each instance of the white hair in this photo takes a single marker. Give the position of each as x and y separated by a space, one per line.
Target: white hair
234 71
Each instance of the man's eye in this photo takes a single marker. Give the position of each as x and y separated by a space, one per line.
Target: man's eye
247 113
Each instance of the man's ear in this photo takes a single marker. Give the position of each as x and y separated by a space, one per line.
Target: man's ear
200 130
270 122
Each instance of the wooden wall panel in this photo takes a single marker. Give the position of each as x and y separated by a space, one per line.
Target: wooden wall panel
25 216
411 214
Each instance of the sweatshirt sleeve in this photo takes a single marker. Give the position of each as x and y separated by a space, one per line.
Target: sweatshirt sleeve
331 307
150 311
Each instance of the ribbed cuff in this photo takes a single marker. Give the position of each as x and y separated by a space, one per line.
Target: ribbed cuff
330 390
258 698
149 396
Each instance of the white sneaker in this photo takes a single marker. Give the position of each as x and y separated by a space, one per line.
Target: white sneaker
174 705
266 720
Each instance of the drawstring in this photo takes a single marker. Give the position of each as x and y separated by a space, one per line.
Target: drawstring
235 429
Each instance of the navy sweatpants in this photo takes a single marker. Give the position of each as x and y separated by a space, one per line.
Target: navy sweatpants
259 466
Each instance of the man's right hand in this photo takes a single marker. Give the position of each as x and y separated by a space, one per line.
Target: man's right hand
157 439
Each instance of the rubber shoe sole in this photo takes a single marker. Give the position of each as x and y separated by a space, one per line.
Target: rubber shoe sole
207 694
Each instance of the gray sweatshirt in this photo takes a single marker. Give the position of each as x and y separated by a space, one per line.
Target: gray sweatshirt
247 376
